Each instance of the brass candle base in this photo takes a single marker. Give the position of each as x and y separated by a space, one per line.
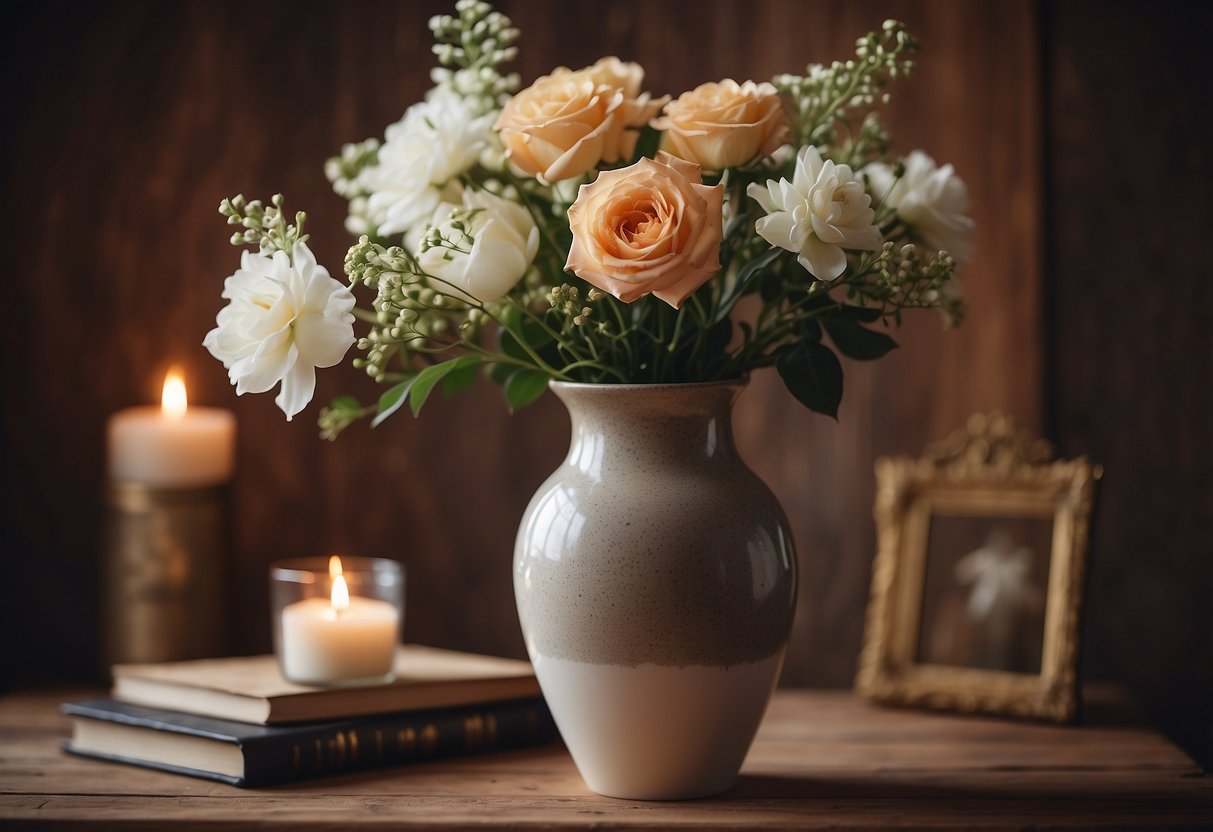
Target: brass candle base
166 559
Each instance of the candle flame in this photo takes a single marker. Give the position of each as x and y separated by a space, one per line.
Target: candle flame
341 594
173 401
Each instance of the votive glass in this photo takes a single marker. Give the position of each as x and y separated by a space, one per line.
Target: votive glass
337 622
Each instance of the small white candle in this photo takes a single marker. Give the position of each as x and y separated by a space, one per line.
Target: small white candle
339 638
174 445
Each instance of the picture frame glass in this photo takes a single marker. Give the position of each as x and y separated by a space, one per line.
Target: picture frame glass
985 582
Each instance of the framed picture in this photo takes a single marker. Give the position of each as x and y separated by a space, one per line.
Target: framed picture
977 585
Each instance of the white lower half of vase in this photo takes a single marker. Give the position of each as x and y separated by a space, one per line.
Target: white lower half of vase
653 732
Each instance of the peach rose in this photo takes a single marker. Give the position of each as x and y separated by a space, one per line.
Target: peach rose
566 123
652 227
637 108
724 124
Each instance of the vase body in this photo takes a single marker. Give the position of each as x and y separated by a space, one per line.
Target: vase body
656 582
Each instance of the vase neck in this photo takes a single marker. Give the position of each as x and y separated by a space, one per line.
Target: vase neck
649 425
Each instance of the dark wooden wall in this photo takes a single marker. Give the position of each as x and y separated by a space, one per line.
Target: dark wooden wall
1130 288
126 124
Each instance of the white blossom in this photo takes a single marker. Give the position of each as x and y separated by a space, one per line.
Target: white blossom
285 317
481 248
930 200
417 166
821 212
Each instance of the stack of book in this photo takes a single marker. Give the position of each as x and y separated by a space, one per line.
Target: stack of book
240 722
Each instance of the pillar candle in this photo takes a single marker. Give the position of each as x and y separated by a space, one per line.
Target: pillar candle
174 445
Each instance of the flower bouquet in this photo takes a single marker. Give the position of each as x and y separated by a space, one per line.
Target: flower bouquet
583 230
640 255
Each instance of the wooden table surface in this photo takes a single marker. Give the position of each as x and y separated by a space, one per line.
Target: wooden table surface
822 760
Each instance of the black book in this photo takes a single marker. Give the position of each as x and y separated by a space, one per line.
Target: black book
248 755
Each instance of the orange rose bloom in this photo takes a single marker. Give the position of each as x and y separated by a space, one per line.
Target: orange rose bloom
566 123
649 228
724 124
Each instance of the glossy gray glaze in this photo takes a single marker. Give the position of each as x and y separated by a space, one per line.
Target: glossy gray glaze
653 542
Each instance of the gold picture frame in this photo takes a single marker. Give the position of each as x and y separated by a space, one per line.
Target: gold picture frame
992 471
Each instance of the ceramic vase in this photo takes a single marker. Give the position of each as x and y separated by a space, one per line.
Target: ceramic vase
655 577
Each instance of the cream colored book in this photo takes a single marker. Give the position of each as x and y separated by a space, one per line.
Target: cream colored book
252 689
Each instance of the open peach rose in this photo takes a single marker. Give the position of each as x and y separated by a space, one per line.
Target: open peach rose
637 109
724 124
566 123
652 227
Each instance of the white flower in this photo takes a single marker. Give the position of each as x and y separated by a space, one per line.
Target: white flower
931 200
823 210
479 249
284 320
433 143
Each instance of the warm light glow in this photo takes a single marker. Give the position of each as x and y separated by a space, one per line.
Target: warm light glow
341 594
173 400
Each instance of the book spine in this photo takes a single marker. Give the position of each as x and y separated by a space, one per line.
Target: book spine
395 740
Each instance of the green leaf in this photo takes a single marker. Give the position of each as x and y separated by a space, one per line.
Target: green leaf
428 378
460 379
748 273
863 314
855 341
812 374
529 330
501 373
512 317
771 288
523 387
392 400
756 265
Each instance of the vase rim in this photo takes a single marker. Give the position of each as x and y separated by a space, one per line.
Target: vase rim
736 381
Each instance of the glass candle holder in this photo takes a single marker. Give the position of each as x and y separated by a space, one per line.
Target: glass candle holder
337 621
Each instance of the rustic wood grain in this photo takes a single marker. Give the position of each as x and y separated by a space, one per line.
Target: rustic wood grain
821 760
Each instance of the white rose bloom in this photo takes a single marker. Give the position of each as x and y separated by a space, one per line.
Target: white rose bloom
434 142
823 210
495 243
283 320
931 200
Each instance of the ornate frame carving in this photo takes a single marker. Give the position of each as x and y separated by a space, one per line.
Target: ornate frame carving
991 468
